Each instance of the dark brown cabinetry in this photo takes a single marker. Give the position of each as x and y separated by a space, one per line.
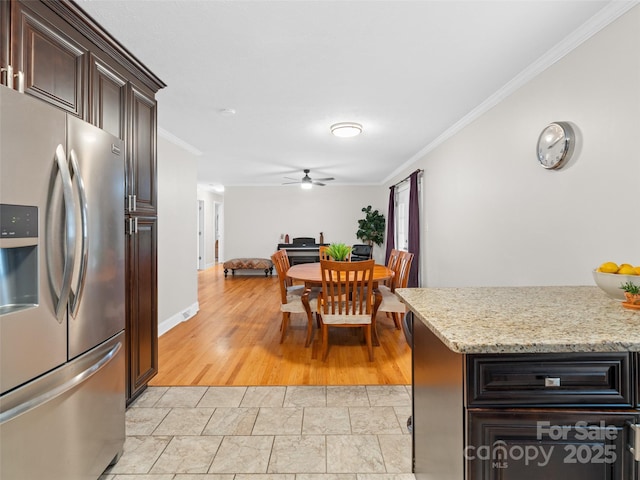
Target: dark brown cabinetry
44 50
143 333
569 416
108 97
57 53
141 171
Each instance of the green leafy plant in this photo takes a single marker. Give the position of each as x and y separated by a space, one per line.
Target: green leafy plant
339 251
630 288
371 227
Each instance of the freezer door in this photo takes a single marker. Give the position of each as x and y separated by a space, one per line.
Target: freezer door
32 340
97 303
68 424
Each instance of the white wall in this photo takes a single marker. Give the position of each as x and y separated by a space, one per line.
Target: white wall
177 228
255 217
493 216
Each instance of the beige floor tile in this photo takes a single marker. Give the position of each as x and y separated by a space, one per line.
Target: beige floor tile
181 433
326 476
222 397
279 421
403 414
298 454
181 397
150 476
388 476
188 454
149 397
231 421
354 453
264 397
265 476
243 454
184 421
204 476
396 451
143 421
347 396
326 421
374 420
388 395
311 396
139 454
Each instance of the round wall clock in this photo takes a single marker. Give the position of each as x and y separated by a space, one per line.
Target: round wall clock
555 145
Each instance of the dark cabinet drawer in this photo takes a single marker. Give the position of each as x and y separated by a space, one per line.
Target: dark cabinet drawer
576 379
552 444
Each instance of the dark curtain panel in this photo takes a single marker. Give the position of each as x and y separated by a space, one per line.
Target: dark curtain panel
414 229
391 223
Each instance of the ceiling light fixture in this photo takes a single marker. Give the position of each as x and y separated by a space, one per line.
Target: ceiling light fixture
306 184
346 129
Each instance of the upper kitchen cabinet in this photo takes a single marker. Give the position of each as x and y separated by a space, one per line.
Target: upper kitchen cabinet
63 57
47 57
141 157
108 97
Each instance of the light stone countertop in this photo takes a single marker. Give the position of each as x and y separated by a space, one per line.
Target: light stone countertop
525 319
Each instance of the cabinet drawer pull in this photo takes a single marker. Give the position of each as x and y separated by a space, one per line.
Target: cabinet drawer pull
552 381
635 436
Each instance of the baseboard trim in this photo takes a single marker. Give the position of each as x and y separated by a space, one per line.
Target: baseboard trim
178 318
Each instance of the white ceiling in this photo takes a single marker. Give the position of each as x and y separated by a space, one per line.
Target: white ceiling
411 72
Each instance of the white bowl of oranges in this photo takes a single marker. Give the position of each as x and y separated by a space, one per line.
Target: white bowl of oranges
610 277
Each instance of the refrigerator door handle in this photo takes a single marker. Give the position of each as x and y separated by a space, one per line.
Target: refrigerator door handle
61 389
74 301
70 235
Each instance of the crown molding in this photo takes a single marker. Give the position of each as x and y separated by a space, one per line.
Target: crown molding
603 18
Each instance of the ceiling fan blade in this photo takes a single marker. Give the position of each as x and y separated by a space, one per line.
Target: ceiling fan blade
324 179
289 178
318 183
291 183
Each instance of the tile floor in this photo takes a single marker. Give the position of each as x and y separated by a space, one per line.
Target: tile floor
267 433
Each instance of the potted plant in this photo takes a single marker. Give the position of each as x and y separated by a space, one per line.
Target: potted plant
371 227
631 292
339 251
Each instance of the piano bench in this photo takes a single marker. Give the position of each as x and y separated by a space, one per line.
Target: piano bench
248 264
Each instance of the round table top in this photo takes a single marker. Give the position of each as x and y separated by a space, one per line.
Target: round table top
310 272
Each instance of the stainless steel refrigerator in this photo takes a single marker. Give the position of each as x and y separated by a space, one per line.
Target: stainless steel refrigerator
62 293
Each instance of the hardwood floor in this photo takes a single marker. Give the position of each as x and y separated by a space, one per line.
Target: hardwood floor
234 340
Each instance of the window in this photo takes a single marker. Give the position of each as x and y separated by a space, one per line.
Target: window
402 217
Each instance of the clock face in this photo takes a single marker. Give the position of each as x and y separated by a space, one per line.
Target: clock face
555 145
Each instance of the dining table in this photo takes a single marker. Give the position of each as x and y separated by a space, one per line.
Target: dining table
311 275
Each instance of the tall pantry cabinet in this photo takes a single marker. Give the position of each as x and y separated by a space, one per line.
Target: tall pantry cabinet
54 51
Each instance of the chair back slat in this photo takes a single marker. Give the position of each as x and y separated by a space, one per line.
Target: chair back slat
403 267
323 252
347 287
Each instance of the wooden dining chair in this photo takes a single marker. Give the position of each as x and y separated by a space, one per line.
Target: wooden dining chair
323 252
391 304
347 299
291 300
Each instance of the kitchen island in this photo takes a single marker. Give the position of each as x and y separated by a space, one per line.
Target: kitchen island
524 383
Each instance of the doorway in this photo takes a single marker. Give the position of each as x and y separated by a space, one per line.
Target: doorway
201 249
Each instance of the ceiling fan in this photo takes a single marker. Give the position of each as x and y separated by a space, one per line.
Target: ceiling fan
307 181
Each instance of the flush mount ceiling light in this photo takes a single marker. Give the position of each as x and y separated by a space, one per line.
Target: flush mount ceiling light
346 129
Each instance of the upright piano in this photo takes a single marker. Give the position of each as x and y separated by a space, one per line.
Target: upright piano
302 250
